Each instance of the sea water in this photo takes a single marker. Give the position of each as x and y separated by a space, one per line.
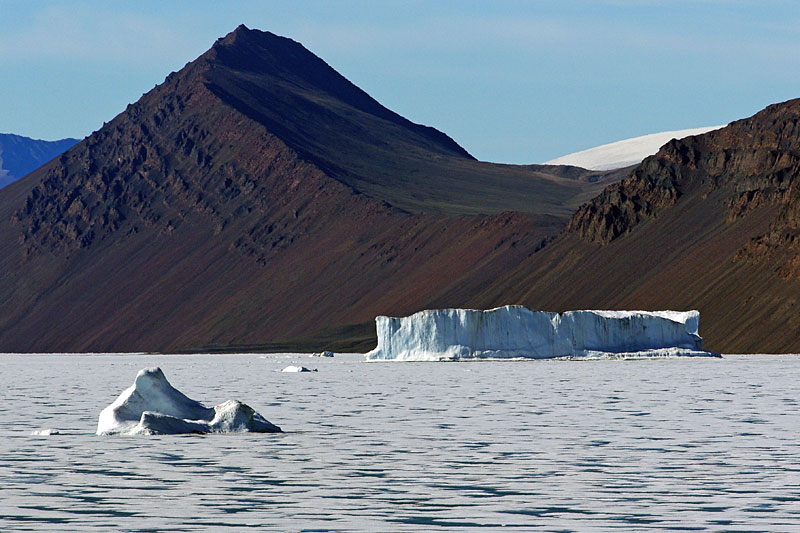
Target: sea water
675 444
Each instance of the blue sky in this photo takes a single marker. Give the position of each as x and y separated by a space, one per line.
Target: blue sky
514 82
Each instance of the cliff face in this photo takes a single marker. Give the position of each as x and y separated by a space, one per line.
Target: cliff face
239 203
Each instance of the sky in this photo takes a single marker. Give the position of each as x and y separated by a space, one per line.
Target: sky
511 81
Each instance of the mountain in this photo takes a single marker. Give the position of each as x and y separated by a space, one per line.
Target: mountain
21 155
625 153
711 222
257 197
258 200
329 121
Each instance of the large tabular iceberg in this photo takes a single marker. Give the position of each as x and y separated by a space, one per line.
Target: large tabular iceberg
515 331
151 406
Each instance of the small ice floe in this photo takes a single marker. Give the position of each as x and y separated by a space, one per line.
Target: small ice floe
151 406
326 353
45 432
292 368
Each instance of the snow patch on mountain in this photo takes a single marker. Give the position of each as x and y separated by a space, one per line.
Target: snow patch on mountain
626 152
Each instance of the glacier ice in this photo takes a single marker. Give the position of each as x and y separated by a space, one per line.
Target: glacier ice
515 331
625 153
151 406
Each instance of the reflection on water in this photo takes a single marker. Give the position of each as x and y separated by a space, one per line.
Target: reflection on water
550 445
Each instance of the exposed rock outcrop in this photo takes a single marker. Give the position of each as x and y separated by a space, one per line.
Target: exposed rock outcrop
756 161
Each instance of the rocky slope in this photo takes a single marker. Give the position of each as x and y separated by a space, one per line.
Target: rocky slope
20 155
709 222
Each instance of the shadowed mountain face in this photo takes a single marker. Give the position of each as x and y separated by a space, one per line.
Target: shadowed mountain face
351 137
256 196
710 222
21 155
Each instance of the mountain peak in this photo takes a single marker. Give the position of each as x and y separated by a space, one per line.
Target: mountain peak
328 120
244 36
256 54
254 159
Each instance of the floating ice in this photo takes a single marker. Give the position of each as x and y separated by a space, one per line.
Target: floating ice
326 353
297 369
515 331
45 432
151 406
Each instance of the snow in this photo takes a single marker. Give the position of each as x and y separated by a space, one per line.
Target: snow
627 152
515 331
151 406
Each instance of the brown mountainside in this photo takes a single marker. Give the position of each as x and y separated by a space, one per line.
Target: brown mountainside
257 196
710 222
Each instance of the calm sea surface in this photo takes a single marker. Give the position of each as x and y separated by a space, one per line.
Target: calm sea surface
681 444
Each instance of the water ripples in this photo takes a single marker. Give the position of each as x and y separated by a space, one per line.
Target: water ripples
540 445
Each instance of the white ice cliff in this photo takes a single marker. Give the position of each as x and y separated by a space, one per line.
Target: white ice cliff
151 406
514 331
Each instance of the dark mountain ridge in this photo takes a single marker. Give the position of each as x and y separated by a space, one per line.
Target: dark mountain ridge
327 120
247 52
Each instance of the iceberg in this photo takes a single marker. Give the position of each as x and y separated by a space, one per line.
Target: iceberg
151 406
514 331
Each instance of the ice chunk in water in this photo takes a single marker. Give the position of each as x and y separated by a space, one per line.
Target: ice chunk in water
151 406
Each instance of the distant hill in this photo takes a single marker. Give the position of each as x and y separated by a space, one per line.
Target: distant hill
625 153
21 155
254 197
